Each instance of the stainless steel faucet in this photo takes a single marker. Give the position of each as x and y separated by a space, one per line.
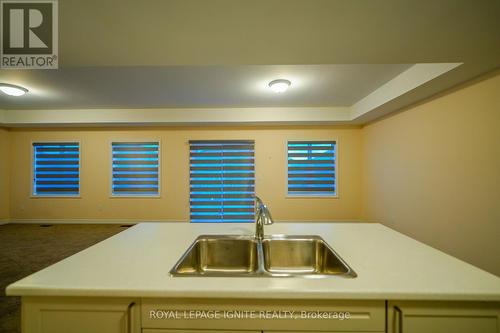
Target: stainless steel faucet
263 217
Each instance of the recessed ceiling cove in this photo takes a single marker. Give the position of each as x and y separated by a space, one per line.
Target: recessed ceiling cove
196 86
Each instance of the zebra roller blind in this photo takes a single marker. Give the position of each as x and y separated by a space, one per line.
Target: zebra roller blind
56 169
312 168
135 168
222 181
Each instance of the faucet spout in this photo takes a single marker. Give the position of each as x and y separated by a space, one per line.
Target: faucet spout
263 217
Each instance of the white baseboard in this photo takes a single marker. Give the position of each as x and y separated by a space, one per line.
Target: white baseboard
86 221
320 221
135 221
4 221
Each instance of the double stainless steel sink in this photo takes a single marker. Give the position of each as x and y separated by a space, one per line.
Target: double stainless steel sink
280 256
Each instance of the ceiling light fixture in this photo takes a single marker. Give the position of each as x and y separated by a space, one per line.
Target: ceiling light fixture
12 90
280 85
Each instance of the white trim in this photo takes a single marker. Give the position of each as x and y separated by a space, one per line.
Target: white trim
412 78
135 221
32 189
90 221
4 221
337 172
110 168
324 221
55 196
177 117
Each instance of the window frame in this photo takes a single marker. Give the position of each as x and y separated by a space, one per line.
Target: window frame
110 168
254 142
337 172
32 180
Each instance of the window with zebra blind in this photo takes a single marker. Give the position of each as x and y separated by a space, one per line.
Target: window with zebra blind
222 181
312 168
56 169
136 169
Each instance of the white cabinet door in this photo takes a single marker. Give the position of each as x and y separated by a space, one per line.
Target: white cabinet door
194 331
211 331
269 315
443 317
80 315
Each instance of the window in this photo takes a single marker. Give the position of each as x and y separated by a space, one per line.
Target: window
135 169
312 168
222 181
56 169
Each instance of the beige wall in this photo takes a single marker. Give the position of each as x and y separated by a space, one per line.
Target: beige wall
95 201
4 174
433 173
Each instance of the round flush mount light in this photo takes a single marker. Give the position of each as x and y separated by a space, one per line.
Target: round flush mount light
280 85
12 90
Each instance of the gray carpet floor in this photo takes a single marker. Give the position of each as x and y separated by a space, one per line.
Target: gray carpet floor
26 248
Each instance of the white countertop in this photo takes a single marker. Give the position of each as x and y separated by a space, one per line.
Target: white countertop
136 263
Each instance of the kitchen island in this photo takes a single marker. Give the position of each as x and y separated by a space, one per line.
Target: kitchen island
123 285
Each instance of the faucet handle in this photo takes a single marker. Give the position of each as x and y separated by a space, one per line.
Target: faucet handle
263 212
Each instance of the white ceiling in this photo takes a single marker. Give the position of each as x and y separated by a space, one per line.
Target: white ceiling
221 54
274 32
195 86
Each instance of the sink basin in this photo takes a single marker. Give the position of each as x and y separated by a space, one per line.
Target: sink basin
275 256
219 256
302 255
